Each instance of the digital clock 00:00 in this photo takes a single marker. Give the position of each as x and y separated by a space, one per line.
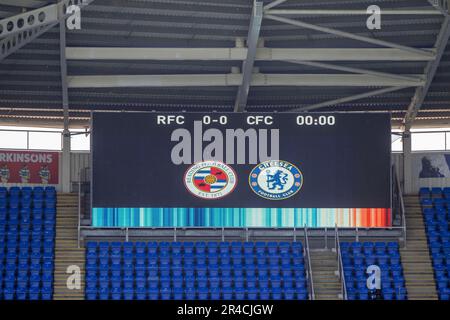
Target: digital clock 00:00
316 121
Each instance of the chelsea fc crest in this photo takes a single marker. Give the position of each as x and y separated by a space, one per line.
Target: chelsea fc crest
210 179
275 180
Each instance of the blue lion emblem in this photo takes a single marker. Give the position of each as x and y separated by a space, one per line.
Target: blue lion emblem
279 179
275 179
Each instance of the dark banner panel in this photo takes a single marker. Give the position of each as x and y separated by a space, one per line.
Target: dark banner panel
192 169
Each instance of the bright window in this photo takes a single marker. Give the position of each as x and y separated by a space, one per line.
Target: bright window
397 143
13 139
45 140
428 141
80 142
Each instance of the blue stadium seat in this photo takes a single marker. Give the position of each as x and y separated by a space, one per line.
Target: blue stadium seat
198 270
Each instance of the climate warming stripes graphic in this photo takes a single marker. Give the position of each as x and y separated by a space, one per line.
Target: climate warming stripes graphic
241 217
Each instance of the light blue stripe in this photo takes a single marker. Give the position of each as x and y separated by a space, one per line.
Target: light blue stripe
217 217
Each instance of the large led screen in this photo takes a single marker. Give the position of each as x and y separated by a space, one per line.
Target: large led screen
241 170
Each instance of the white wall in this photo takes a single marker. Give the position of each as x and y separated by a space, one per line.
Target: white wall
78 161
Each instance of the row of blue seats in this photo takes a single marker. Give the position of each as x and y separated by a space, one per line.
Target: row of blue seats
212 272
437 247
242 275
34 269
367 244
436 217
434 191
12 256
436 204
51 217
191 247
16 214
44 227
26 203
35 191
27 232
224 260
200 294
35 281
211 283
441 259
438 214
440 227
369 260
16 237
387 294
387 283
33 293
34 206
212 267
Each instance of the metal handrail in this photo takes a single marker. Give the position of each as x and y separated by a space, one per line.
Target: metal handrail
81 172
79 214
402 204
310 274
340 264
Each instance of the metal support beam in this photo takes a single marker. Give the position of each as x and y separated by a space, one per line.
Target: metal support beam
430 72
247 68
39 17
236 54
211 80
16 41
65 179
274 4
19 30
348 99
318 12
442 6
354 70
63 65
349 35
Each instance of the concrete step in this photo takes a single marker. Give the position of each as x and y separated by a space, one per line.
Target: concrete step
326 283
416 260
67 252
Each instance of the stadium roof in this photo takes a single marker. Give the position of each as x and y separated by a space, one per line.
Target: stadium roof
296 63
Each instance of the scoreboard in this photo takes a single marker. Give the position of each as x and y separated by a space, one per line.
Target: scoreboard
241 169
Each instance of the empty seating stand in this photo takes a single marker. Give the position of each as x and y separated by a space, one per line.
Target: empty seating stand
195 270
435 205
27 232
357 256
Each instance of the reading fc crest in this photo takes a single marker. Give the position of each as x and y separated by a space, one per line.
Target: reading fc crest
276 180
210 179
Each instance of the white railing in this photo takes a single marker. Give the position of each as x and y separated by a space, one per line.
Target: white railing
312 295
402 205
81 200
79 214
340 265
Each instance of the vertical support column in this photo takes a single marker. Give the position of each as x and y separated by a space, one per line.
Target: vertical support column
65 104
247 67
407 163
65 177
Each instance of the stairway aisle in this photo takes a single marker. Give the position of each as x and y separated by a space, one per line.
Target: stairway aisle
326 282
416 260
66 247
